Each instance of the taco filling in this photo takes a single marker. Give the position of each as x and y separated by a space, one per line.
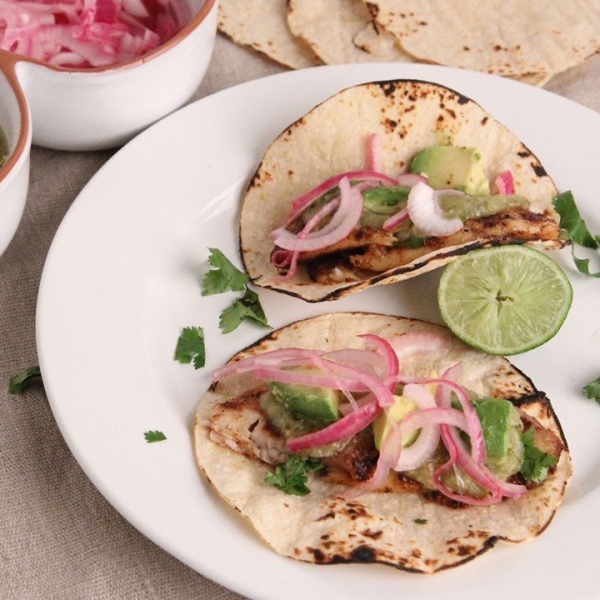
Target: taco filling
370 221
384 181
398 415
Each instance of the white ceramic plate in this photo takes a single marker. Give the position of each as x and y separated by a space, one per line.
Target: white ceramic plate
122 279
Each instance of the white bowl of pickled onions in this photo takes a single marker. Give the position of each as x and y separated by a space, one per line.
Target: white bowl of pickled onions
15 144
95 73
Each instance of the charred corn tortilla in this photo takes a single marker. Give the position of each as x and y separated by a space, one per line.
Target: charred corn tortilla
342 31
399 528
262 26
409 116
524 40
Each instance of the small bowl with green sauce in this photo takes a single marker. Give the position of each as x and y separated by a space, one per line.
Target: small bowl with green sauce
15 146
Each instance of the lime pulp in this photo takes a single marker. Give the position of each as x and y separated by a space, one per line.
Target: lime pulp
505 299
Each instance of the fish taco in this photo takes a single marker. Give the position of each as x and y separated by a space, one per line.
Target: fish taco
365 438
384 181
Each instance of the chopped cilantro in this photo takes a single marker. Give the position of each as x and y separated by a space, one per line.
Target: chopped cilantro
592 390
154 436
246 307
190 347
536 463
24 380
291 477
579 234
420 521
224 277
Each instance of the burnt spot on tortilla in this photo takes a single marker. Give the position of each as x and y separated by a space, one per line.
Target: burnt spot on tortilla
390 124
483 542
375 535
354 511
485 121
539 170
327 516
442 500
317 554
363 554
388 88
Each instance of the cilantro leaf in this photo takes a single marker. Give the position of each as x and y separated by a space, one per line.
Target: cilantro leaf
576 228
190 347
592 390
292 476
537 462
24 380
420 521
224 277
154 436
246 307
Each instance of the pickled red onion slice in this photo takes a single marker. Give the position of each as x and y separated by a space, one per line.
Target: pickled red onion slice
342 429
471 463
88 33
382 347
416 342
350 210
374 151
505 183
444 398
425 211
424 446
410 179
396 219
303 202
372 373
388 457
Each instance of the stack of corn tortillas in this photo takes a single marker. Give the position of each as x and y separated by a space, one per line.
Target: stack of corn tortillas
528 41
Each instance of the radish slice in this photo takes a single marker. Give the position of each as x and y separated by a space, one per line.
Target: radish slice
425 212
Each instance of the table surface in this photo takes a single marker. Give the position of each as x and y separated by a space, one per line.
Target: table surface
60 539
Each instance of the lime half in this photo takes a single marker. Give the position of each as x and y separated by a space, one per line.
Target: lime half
504 300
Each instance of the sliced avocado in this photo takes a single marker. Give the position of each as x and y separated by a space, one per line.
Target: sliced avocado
474 207
307 401
452 167
495 416
385 200
382 424
381 202
290 426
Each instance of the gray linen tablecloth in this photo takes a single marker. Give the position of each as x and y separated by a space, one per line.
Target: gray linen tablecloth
59 538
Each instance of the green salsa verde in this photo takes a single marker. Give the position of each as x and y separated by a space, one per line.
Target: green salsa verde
4 148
